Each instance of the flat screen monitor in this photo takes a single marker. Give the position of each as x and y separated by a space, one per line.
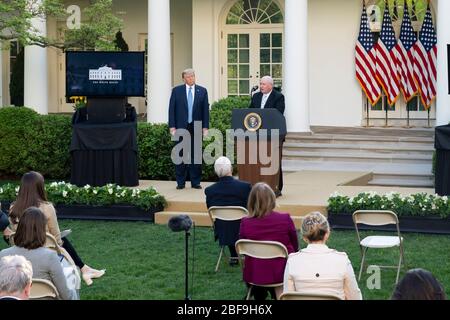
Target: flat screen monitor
105 74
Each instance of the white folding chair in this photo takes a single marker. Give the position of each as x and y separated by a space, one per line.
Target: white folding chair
225 213
261 250
378 218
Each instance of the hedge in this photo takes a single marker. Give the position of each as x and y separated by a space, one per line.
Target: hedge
29 141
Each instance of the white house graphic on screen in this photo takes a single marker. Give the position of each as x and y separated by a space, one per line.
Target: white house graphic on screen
105 73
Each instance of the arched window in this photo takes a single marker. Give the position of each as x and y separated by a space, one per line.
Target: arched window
255 12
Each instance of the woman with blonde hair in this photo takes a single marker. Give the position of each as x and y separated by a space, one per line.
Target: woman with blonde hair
265 224
32 194
318 269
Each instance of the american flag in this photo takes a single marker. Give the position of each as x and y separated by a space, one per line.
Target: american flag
425 53
405 57
386 67
365 61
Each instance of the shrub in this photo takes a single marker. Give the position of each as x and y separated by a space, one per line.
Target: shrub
66 193
419 204
29 141
17 126
155 146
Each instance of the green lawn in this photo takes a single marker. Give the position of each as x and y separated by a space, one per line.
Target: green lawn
146 261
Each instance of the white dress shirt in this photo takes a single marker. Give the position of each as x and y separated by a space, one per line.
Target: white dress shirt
264 99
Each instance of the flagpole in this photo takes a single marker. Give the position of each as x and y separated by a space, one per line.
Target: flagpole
429 126
386 110
407 119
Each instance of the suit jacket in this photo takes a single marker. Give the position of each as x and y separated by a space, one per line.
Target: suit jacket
178 107
275 100
272 227
318 269
228 191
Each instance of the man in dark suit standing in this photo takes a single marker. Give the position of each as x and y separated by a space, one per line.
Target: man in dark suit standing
228 191
266 98
188 105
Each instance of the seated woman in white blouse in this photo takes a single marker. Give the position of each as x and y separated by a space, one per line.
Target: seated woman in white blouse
319 269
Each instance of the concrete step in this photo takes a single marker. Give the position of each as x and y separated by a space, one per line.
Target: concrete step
391 131
388 169
404 180
392 182
357 157
359 148
201 219
359 139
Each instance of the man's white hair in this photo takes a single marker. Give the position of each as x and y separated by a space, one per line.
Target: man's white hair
16 273
223 167
269 79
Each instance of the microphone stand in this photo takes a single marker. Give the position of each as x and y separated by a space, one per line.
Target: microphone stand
186 274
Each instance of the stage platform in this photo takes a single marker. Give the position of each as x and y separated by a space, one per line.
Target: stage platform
303 192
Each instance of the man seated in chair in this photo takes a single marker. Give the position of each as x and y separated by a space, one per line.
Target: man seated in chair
16 274
228 191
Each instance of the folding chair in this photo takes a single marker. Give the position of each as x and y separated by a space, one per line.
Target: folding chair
42 289
378 218
307 296
225 213
261 250
52 244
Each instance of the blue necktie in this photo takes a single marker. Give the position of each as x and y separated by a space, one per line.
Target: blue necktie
190 104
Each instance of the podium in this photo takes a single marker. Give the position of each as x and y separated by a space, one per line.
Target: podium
259 134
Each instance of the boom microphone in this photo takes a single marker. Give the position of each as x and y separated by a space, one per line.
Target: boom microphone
180 223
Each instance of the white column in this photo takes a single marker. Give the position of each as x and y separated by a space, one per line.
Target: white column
159 61
296 77
443 36
36 71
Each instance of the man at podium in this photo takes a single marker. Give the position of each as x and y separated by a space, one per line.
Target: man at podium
267 98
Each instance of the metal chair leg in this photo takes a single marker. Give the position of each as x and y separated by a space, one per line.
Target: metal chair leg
362 262
400 262
220 258
249 292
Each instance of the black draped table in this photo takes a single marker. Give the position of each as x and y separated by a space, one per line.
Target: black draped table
104 153
442 174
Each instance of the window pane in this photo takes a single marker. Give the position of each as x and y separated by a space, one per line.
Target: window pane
272 9
244 56
278 18
264 56
244 71
412 104
377 106
232 71
278 83
277 71
232 41
232 19
277 55
277 40
243 41
263 4
232 56
264 40
264 70
232 86
244 87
